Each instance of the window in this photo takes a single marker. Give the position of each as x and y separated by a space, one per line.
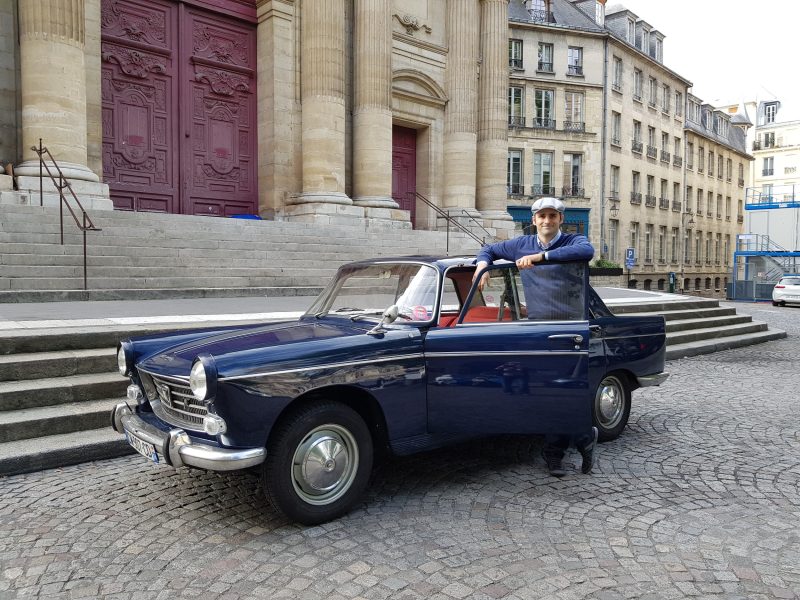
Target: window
729 170
689 198
727 208
698 247
690 155
637 131
544 109
719 206
769 166
727 249
636 182
699 201
659 50
645 47
677 146
710 163
599 13
741 175
514 172
572 175
574 60
653 98
720 172
573 111
516 116
635 237
651 186
616 128
543 173
662 244
664 188
710 203
515 54
539 11
770 110
701 159
666 98
648 243
687 245
664 141
631 37
637 85
673 246
617 77
614 181
651 136
769 139
678 104
676 195
613 239
545 57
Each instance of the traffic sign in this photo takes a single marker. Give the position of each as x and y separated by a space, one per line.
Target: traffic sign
630 257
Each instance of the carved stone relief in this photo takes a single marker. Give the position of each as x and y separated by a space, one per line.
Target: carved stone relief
148 27
412 24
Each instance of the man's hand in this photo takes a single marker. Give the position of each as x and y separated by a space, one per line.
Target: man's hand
484 278
526 262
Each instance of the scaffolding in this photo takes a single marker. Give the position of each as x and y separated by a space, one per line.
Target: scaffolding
758 263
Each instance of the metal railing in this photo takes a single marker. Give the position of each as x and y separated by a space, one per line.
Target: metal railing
652 151
767 172
543 190
542 123
663 203
541 16
677 161
515 121
515 63
574 70
575 126
572 191
546 67
636 146
665 156
636 197
650 201
677 206
516 189
61 183
454 217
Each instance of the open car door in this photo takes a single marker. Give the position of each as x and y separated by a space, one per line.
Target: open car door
516 359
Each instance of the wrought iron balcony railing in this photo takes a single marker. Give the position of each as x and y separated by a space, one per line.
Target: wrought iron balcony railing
575 126
767 172
652 151
516 121
546 67
636 146
637 96
617 87
677 206
542 123
663 203
515 63
572 191
677 161
543 190
574 70
636 197
757 145
741 181
665 156
650 201
740 219
615 141
516 189
541 16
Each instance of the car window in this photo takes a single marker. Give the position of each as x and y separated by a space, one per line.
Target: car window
790 281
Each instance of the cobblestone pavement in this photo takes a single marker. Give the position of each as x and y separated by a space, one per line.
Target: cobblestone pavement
699 498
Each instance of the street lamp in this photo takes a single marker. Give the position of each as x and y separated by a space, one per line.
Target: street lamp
684 224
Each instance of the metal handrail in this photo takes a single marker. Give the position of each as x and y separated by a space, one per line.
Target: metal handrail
446 214
85 223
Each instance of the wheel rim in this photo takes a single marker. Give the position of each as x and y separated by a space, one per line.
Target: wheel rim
610 402
325 464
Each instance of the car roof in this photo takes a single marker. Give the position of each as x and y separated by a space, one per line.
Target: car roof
439 262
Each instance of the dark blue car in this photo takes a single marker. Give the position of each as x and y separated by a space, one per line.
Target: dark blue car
401 354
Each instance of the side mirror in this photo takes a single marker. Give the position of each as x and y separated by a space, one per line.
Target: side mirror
389 316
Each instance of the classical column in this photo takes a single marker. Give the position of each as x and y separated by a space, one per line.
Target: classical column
460 127
322 81
372 111
492 112
53 85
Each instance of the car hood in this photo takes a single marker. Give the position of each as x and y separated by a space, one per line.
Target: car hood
284 345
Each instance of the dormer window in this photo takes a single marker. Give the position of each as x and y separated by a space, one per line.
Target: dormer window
645 41
659 50
631 32
539 11
599 12
770 111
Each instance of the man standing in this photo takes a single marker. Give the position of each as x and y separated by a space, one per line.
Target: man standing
547 244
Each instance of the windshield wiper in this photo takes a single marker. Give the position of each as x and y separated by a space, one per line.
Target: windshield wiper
348 309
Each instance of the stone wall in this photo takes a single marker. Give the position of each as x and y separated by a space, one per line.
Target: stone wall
9 76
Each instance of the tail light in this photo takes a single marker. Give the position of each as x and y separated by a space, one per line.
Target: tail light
780 287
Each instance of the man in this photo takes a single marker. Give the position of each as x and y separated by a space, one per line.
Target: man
548 243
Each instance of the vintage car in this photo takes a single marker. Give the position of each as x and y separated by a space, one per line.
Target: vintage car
401 355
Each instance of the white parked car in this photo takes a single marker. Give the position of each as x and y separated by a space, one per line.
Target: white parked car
786 291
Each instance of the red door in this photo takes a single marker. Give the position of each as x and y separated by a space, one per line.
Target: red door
404 169
178 109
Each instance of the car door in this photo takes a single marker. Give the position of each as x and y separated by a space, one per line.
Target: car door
511 363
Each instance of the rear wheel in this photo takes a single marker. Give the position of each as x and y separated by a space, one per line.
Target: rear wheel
612 406
319 460
775 303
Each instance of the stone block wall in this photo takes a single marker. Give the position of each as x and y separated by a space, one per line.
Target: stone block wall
9 77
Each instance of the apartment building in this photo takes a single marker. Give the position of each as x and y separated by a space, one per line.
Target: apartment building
638 158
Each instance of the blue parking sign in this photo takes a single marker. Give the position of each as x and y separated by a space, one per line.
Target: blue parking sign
630 257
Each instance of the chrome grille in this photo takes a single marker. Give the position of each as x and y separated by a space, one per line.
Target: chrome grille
176 401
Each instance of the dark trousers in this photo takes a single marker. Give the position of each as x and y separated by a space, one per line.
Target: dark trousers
557 445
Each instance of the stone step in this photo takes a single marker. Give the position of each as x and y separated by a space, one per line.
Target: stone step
695 313
702 323
154 294
37 454
707 333
685 303
16 395
175 282
708 346
28 423
164 271
35 365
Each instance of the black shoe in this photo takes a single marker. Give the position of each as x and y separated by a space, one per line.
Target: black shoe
587 453
554 464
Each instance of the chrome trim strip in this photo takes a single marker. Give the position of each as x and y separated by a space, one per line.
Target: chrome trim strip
651 380
505 353
627 337
175 378
326 366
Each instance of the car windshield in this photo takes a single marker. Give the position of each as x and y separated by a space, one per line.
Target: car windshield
790 281
366 291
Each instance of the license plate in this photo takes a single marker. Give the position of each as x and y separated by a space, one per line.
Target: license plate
144 448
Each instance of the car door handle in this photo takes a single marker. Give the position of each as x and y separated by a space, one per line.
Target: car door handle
575 337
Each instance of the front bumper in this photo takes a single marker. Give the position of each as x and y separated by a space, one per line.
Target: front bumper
177 448
650 380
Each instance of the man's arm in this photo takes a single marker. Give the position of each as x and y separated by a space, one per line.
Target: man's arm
492 252
576 247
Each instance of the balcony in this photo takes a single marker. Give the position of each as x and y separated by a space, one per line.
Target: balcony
542 123
616 141
663 203
741 181
652 151
757 145
543 190
636 146
541 16
545 67
575 126
650 201
652 103
767 172
575 70
617 87
516 189
515 64
665 109
516 122
572 192
637 96
636 197
677 161
677 206
740 219
665 156
690 165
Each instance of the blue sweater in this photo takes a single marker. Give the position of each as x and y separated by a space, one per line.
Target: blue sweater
570 246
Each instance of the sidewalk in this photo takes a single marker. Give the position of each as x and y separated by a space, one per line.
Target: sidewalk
51 315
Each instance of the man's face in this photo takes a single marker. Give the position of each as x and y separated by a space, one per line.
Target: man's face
547 222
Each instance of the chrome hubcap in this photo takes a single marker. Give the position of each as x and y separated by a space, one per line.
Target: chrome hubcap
610 402
325 464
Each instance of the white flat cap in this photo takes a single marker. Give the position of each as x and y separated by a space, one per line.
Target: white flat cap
553 203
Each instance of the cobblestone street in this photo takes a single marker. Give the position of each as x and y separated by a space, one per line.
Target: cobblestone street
700 497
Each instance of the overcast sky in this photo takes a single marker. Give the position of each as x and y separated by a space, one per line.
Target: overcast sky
732 50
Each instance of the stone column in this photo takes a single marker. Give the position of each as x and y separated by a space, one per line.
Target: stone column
460 127
322 81
53 85
492 114
372 111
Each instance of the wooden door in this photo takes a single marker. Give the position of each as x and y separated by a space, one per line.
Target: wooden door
404 169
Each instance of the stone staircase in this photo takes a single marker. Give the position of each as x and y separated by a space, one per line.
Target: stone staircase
151 255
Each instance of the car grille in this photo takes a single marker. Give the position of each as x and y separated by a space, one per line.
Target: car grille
177 402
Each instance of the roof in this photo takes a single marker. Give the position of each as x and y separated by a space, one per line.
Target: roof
564 13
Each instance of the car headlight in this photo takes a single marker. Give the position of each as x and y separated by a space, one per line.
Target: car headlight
203 377
125 359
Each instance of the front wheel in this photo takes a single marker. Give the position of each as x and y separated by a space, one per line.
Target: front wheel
611 407
319 460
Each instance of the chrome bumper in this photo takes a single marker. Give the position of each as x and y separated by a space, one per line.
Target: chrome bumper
177 448
650 380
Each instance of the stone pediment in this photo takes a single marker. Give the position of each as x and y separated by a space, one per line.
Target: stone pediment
418 86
